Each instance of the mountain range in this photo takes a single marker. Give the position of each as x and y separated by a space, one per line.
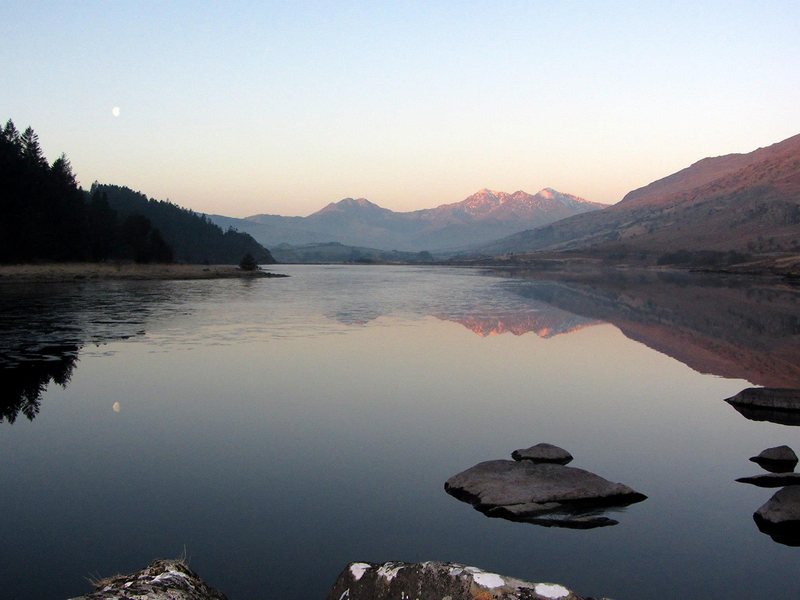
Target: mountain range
482 217
737 203
718 211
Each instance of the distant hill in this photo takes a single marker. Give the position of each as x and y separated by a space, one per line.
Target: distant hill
738 203
193 238
480 218
334 252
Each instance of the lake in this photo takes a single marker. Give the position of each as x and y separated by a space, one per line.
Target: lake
276 429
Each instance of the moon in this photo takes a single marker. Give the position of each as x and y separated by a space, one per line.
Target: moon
115 407
115 111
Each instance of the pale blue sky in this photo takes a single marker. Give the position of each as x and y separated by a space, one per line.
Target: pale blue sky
281 107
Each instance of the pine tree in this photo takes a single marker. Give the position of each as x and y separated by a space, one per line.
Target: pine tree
62 171
31 151
248 263
11 137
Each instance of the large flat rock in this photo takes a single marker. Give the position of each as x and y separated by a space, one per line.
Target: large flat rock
527 491
775 405
437 581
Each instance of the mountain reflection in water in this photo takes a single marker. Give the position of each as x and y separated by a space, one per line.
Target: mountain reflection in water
732 328
745 330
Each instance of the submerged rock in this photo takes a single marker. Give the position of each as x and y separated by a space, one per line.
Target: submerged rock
772 480
429 580
770 415
543 453
527 491
162 580
780 459
779 517
580 520
777 405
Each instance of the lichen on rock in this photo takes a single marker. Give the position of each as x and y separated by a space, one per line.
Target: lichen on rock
162 580
437 580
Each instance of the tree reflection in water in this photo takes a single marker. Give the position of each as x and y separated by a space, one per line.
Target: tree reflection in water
44 327
22 385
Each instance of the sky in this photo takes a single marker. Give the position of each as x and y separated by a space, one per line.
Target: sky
240 108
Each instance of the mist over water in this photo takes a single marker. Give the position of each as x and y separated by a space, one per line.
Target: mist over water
278 429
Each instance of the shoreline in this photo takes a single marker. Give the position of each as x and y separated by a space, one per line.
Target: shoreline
61 272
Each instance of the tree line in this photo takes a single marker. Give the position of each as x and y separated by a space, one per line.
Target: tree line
46 216
193 237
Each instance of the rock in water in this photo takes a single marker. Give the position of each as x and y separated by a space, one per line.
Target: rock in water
772 480
526 491
776 405
773 398
543 453
162 580
780 459
779 517
436 580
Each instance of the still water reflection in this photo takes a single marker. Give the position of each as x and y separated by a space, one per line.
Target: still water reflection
281 428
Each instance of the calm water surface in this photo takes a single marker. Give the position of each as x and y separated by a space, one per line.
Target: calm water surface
279 429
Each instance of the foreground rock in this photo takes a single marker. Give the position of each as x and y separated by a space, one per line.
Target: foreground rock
543 494
543 453
780 459
772 480
777 405
162 580
779 517
436 580
174 580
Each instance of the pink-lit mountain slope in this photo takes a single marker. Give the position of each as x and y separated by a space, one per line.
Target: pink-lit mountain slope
747 203
546 205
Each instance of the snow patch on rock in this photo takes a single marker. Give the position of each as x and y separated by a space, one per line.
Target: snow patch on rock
482 578
488 580
388 572
357 570
551 590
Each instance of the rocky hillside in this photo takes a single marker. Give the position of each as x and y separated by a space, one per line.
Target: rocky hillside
742 203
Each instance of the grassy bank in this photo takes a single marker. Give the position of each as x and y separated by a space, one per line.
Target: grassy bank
133 271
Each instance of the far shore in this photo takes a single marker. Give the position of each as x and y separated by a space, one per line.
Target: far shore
121 270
